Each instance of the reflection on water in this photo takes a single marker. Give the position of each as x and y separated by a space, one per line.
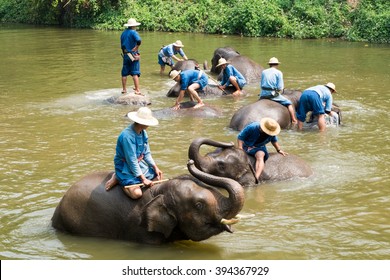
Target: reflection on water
56 127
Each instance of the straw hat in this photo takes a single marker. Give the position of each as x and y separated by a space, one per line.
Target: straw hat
143 116
331 86
132 22
178 43
174 73
270 126
273 60
221 61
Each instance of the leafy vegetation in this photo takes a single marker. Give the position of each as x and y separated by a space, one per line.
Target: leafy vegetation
365 20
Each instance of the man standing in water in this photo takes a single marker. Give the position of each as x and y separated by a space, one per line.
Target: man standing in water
130 42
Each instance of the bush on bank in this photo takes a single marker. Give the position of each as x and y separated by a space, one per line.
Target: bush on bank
365 20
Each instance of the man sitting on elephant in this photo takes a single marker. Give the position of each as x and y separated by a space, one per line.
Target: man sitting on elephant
313 99
133 160
253 138
272 85
192 80
168 52
231 76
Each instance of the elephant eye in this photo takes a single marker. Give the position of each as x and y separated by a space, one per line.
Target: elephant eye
199 205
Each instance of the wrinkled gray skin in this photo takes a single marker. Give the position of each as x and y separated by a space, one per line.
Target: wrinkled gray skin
186 109
211 90
229 161
246 66
268 108
183 208
130 99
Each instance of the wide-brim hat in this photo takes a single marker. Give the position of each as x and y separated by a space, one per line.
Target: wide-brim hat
179 44
143 116
174 73
270 126
331 86
273 60
131 22
221 61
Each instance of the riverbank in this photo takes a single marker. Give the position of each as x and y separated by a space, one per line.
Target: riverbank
364 20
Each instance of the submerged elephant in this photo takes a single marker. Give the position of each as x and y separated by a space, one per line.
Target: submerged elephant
207 91
130 99
246 66
229 161
271 109
186 109
183 208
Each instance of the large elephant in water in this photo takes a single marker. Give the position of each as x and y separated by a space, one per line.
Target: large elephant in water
183 208
271 109
246 66
229 161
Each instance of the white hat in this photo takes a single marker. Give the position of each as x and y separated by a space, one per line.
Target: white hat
221 61
273 60
178 43
143 116
270 126
132 22
331 86
174 73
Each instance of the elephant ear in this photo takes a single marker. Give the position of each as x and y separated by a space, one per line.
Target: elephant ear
157 217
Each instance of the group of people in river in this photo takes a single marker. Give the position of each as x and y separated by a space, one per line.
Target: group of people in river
134 164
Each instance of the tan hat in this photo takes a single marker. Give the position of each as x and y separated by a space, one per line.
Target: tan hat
143 116
174 73
270 126
178 43
132 22
221 61
331 86
273 60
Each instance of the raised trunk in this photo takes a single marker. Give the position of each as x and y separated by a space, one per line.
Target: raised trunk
230 206
204 162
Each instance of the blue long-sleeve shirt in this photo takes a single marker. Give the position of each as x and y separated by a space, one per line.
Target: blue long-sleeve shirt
133 157
230 70
169 51
129 39
271 80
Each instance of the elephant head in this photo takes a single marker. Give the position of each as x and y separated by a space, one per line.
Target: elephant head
229 162
186 208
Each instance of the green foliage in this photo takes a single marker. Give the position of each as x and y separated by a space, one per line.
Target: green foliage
369 21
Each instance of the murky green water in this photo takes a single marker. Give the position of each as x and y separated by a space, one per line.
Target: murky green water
55 127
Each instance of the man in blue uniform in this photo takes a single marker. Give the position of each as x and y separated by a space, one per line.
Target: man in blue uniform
313 99
190 80
130 42
253 138
133 160
272 86
169 52
231 76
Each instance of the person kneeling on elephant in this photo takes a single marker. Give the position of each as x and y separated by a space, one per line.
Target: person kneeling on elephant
313 99
133 160
254 137
191 80
272 85
231 76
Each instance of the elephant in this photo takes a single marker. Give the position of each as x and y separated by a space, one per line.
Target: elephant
187 207
130 99
207 91
186 109
268 108
232 162
246 66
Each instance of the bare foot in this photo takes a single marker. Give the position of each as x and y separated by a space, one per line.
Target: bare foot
111 183
237 93
198 105
123 92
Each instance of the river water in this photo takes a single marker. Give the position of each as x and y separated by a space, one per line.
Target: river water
56 127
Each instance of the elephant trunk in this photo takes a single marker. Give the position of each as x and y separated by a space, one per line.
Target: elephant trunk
204 162
230 206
